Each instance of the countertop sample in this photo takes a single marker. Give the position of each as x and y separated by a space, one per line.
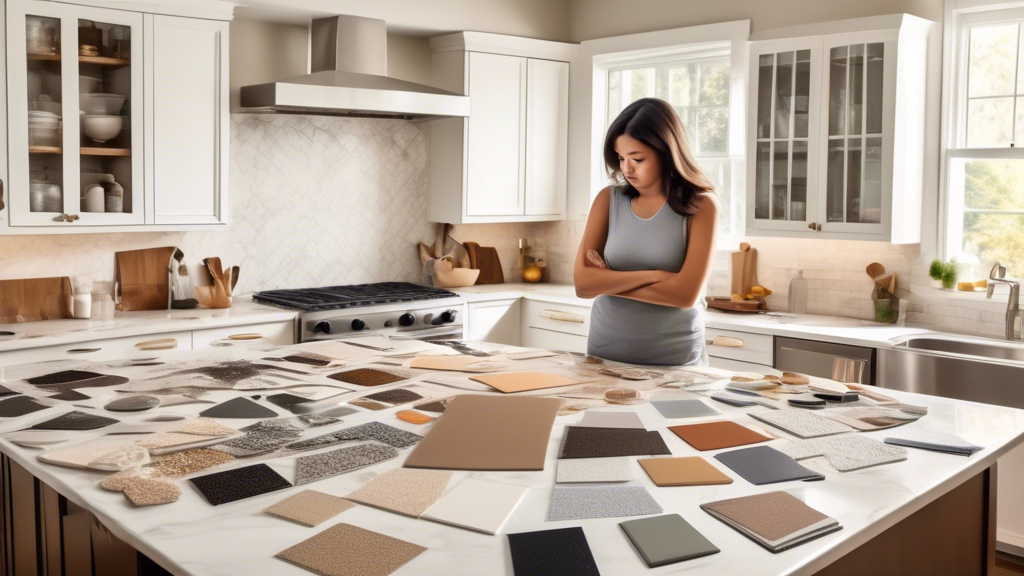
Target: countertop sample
192 537
243 312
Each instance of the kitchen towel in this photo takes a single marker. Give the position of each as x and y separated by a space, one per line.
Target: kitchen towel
479 505
692 408
19 406
594 470
776 520
309 507
550 552
326 464
75 420
765 465
239 483
488 433
801 423
927 439
717 435
580 502
238 408
347 550
609 442
511 382
691 471
667 539
406 491
610 419
846 452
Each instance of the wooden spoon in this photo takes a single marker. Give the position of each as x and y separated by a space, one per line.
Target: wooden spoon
875 270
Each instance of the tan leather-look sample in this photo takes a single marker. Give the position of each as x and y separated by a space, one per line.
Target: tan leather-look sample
717 435
488 433
346 550
511 382
691 471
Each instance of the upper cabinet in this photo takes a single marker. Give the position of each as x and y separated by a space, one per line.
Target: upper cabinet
117 120
836 131
507 161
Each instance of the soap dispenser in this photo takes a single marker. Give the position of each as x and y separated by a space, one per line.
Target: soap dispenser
798 294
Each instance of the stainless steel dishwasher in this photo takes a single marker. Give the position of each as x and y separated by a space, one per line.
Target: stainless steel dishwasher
824 359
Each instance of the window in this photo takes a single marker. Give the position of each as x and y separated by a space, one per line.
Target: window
984 204
697 83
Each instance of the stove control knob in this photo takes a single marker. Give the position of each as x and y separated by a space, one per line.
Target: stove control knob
446 317
406 319
389 323
324 327
358 324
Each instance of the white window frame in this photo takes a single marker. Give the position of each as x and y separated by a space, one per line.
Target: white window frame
960 17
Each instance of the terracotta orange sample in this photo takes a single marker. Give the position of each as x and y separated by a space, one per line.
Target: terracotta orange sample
413 417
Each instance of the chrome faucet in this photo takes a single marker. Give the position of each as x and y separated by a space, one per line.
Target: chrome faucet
998 276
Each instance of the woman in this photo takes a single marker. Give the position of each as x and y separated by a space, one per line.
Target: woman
645 262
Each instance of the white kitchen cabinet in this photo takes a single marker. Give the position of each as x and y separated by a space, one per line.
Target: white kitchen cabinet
740 366
142 346
507 161
167 78
836 130
554 326
495 321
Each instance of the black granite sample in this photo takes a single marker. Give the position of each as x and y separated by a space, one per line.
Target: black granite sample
563 551
240 483
238 408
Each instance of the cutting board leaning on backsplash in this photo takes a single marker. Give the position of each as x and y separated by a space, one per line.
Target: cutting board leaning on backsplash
33 299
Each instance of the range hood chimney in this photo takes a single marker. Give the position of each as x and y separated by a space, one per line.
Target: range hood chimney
348 60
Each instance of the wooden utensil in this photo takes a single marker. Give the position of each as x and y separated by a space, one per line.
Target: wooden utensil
144 278
33 299
748 306
744 269
875 270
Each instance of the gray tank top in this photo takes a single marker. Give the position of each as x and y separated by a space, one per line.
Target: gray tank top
626 330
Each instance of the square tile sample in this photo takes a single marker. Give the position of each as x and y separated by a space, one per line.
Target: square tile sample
610 419
692 471
386 434
689 408
801 423
238 484
667 539
238 408
366 377
775 520
319 466
75 420
847 452
928 439
19 406
717 435
309 507
548 552
580 502
404 490
346 550
510 382
488 433
594 470
609 442
478 505
287 401
765 465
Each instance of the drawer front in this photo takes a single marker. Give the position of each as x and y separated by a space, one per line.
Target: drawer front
145 346
277 333
756 348
551 340
557 317
738 366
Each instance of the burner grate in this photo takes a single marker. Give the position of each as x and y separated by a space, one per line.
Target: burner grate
339 297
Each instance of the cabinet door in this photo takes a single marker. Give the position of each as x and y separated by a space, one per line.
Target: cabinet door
188 116
75 157
856 162
547 123
496 322
496 141
782 134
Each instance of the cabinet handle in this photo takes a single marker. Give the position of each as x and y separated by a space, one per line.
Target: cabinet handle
70 217
1 195
726 341
246 336
811 225
161 344
559 316
818 227
83 350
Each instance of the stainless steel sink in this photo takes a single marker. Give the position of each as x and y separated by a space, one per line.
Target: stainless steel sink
982 349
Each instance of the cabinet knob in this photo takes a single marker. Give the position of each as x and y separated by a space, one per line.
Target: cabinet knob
818 227
70 217
811 225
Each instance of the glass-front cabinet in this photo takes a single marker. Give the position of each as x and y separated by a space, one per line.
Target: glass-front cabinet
835 132
75 86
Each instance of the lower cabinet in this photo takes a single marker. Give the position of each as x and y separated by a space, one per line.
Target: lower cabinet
276 333
551 340
749 352
496 321
555 326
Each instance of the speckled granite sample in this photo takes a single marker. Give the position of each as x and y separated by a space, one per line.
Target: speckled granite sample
309 507
75 420
847 452
239 483
406 491
801 423
609 442
579 502
594 470
563 551
928 439
319 466
346 550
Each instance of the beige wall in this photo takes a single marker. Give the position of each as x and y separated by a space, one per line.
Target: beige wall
265 52
409 58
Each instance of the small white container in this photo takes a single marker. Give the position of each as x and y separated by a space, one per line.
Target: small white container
81 305
94 199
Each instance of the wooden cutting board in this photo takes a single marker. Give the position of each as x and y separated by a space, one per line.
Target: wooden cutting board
32 299
749 306
744 269
143 276
485 259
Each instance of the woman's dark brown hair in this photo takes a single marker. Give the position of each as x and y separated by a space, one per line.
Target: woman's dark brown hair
654 122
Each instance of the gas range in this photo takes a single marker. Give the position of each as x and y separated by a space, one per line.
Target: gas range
397 309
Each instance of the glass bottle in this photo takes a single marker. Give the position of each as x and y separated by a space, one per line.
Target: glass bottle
798 294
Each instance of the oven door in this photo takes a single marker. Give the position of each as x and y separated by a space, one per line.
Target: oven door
428 333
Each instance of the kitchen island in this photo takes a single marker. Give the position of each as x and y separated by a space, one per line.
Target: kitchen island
931 514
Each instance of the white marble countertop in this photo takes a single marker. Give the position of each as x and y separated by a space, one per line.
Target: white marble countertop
55 332
192 537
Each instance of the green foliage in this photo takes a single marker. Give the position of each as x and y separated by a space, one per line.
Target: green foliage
936 269
995 185
945 272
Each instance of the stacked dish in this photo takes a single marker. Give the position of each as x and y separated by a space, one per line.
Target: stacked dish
43 128
45 196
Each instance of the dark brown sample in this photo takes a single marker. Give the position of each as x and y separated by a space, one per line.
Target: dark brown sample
366 377
396 396
608 442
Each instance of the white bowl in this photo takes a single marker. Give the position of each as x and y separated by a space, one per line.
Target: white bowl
88 84
100 104
101 127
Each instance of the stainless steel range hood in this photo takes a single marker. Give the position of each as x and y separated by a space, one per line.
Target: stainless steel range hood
348 58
